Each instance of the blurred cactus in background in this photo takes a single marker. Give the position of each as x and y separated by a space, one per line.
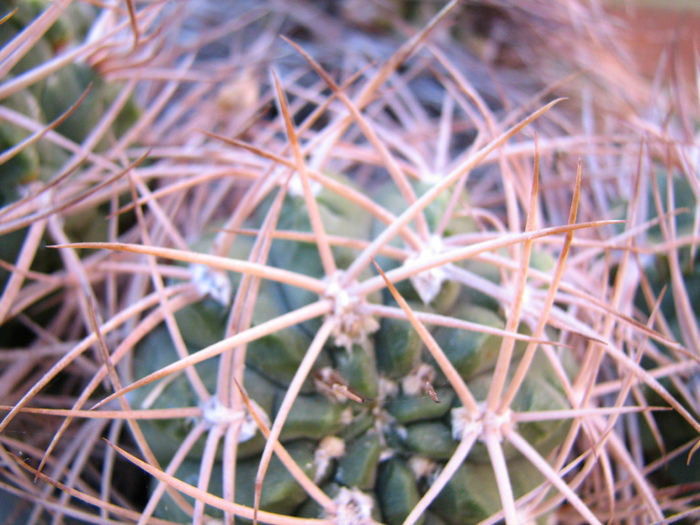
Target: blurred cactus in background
52 97
372 271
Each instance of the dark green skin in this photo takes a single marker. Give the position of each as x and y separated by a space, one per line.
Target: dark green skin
382 432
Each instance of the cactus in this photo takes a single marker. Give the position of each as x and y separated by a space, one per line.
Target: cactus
384 417
73 98
47 129
368 293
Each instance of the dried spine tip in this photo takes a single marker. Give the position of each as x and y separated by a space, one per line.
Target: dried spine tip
334 386
430 390
414 384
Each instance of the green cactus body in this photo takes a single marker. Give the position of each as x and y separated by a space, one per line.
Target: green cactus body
42 161
399 492
371 397
49 98
281 494
674 430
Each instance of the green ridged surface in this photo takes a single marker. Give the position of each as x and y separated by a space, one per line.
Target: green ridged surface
42 161
50 97
392 426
